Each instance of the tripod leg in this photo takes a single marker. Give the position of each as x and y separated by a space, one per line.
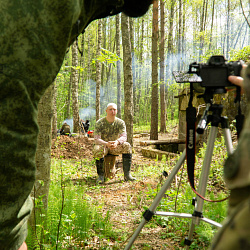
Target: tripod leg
227 135
150 212
197 215
228 140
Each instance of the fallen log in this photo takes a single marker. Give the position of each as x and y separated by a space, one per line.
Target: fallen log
162 142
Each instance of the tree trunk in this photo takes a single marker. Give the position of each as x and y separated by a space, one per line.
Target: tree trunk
104 28
89 75
40 191
162 67
54 120
140 67
179 40
118 68
155 97
212 26
74 79
202 28
128 77
170 47
183 40
98 70
132 40
228 32
68 115
43 152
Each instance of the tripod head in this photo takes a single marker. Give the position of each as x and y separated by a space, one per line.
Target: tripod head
211 114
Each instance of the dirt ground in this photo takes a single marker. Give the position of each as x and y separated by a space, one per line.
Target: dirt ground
81 147
116 193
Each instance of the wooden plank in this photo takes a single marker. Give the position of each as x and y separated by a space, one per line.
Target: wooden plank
156 153
162 142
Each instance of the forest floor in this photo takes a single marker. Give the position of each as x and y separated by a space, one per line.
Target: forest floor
121 198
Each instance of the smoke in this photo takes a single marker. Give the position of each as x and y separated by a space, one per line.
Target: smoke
88 113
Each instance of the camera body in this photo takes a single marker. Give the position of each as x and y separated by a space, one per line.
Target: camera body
211 75
215 73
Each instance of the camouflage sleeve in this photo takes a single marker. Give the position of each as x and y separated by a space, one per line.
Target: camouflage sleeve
122 133
34 36
97 130
122 138
98 133
98 140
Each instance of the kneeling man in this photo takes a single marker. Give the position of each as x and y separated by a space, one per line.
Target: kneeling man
111 138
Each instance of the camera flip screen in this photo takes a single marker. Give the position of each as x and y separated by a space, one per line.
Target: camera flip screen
218 77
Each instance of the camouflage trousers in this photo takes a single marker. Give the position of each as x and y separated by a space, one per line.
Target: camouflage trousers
101 151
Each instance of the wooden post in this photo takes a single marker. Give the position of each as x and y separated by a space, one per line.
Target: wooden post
109 166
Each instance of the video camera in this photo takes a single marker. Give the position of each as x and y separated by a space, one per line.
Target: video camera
213 74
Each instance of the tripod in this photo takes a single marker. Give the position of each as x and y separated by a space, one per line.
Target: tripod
215 118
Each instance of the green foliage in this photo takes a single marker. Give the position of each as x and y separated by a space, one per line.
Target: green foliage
107 57
79 219
85 219
243 54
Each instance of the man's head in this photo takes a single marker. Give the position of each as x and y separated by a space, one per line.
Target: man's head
111 110
130 8
136 8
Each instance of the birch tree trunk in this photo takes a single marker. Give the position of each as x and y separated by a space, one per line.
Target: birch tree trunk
162 67
202 28
43 152
170 45
98 70
140 67
228 33
155 97
132 40
74 79
179 40
118 68
54 119
128 77
212 26
68 101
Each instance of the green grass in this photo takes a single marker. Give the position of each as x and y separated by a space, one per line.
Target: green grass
71 210
177 228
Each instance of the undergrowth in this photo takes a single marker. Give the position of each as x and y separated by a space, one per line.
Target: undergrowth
75 220
71 220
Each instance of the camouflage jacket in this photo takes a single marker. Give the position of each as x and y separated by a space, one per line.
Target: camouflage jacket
110 131
34 36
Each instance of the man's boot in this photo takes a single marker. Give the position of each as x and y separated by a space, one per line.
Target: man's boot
100 170
126 161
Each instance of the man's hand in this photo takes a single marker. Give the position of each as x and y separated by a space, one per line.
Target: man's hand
238 80
112 144
23 247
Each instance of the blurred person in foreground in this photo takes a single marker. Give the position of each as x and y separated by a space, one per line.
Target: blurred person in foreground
34 37
235 233
111 138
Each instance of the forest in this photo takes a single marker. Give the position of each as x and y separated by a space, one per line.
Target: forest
185 32
130 62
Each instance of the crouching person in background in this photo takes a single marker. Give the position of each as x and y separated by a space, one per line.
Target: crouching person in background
65 129
111 138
